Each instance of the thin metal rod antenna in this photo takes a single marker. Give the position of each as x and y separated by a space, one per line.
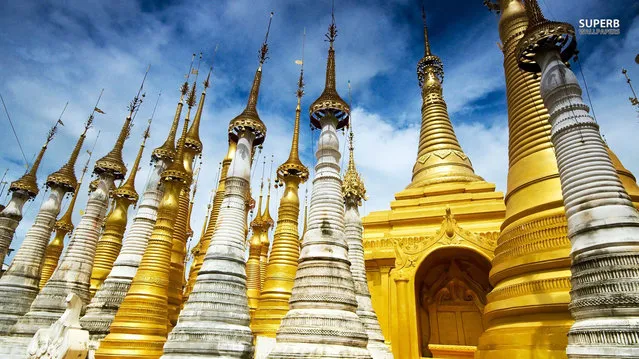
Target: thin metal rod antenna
268 29
188 74
3 182
15 133
64 109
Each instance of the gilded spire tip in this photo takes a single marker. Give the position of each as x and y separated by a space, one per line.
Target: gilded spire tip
264 48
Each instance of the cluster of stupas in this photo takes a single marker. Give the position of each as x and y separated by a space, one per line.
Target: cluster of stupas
452 270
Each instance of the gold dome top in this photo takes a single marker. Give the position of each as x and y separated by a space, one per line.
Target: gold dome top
249 118
257 222
267 220
176 171
330 102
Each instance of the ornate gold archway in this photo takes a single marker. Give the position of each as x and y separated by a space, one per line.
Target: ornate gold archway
458 262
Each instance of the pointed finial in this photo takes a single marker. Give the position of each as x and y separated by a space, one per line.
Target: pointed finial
329 102
429 65
426 43
112 163
192 140
633 100
293 167
249 120
167 150
264 48
127 189
65 176
28 182
266 216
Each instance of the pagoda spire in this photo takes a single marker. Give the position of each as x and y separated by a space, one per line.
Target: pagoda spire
221 281
440 158
323 275
167 150
62 227
280 270
19 284
267 224
22 190
109 245
112 163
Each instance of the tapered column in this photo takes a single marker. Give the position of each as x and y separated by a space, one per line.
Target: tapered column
205 241
10 218
354 192
73 273
253 263
103 306
603 225
19 284
221 283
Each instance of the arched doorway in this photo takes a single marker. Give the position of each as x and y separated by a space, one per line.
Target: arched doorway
451 285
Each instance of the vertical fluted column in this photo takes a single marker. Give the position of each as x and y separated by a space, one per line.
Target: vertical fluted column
322 322
106 302
74 271
215 320
178 253
205 241
19 284
10 218
253 273
365 311
109 245
603 225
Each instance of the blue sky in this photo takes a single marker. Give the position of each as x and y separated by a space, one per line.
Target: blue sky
68 51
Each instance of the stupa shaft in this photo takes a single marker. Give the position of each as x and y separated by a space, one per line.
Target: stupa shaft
603 225
205 241
215 319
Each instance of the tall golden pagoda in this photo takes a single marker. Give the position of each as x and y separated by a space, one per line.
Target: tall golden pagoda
62 227
435 242
280 271
110 242
527 311
140 326
192 148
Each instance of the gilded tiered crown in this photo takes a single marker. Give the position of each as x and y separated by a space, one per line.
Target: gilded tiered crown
352 185
542 35
249 120
330 102
429 64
